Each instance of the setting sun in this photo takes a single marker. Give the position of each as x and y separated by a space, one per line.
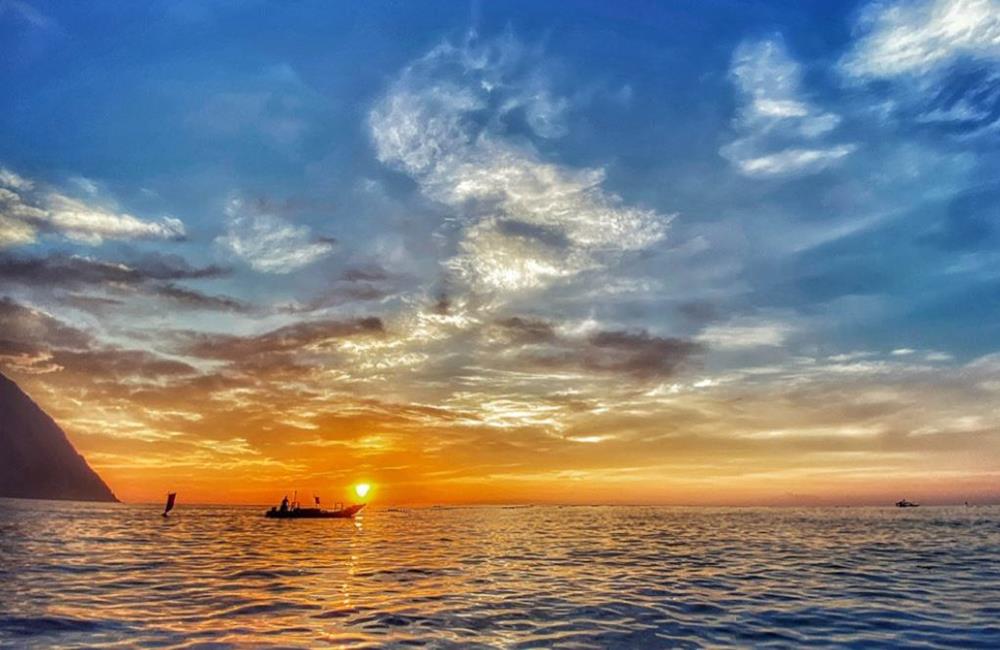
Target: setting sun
362 489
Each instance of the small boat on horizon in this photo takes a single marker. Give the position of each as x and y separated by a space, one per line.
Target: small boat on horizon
906 504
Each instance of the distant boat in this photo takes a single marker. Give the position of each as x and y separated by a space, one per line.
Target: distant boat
906 504
344 512
171 497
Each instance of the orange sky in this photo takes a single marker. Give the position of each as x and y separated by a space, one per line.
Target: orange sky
234 438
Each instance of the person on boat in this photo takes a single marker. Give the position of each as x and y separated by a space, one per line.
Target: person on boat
284 504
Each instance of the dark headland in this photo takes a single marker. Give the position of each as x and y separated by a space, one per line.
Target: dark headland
37 461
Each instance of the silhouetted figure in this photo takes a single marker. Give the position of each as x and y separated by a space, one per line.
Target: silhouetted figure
284 504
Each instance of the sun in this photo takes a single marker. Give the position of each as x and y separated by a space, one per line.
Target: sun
362 489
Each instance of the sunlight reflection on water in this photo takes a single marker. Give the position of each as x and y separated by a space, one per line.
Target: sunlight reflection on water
88 574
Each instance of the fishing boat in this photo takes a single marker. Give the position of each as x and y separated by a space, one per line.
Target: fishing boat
296 512
906 504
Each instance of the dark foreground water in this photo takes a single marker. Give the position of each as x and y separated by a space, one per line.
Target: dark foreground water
87 575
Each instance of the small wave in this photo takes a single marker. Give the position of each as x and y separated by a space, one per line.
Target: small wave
38 625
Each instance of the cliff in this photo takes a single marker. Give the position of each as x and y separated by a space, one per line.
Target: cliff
37 461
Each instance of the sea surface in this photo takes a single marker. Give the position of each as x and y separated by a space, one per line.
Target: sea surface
86 575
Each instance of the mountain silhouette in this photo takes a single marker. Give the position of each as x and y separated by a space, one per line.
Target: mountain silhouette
37 461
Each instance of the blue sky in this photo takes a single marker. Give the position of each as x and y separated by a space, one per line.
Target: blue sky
753 197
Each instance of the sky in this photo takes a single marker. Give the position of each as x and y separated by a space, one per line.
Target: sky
708 252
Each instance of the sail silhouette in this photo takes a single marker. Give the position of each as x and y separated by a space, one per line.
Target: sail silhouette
170 503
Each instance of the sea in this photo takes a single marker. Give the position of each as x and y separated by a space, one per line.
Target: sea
75 575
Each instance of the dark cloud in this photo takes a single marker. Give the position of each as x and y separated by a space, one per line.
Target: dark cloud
366 274
23 329
74 271
522 331
161 266
637 353
442 306
291 338
197 300
365 283
28 335
340 294
153 275
634 353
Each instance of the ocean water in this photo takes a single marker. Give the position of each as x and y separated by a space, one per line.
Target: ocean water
85 575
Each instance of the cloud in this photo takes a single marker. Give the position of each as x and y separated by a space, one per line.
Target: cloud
913 38
27 210
779 132
77 270
33 341
538 344
193 299
151 275
525 223
308 336
745 333
940 57
23 326
519 331
270 244
355 285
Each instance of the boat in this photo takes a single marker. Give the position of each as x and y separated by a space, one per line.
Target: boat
171 497
343 512
906 504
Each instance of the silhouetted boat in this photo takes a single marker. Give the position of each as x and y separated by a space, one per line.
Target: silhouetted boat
906 504
170 503
346 512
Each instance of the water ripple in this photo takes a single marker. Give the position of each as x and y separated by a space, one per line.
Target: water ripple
84 575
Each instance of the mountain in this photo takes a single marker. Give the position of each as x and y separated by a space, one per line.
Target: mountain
37 461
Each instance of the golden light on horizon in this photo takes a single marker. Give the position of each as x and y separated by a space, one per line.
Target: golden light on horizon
362 489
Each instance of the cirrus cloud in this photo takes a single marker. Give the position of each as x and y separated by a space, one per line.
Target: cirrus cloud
270 244
525 222
26 210
917 37
779 131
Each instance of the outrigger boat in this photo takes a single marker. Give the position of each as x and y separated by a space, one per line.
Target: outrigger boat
295 511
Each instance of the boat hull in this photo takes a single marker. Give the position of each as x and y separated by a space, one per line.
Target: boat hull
314 513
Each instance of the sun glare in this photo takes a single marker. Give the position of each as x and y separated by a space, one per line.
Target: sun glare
361 489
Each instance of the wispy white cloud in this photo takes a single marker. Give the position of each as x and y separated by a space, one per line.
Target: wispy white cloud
745 333
941 57
268 243
898 38
26 210
779 132
524 222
